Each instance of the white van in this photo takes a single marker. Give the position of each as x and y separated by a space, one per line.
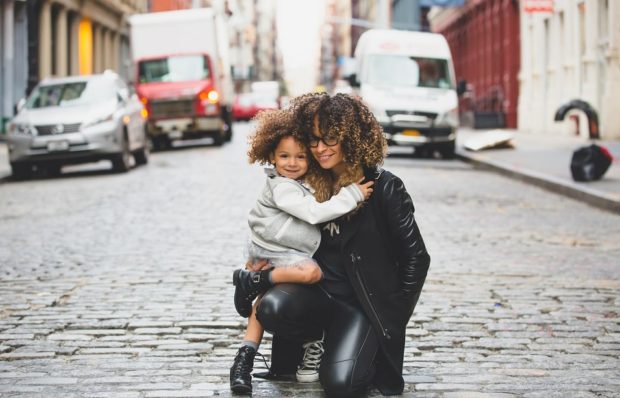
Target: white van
407 79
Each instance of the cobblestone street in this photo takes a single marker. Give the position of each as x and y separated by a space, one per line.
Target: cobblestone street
119 285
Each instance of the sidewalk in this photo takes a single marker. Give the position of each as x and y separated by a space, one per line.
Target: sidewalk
544 160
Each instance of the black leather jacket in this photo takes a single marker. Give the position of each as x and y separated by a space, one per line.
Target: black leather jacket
387 263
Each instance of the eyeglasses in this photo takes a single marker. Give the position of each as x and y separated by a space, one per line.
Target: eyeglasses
328 141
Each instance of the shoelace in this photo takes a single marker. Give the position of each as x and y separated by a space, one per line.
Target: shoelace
265 361
312 355
243 367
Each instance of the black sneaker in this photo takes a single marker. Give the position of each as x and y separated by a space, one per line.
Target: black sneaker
248 285
308 370
241 370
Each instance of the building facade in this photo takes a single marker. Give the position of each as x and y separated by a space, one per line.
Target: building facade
43 38
572 51
484 40
13 55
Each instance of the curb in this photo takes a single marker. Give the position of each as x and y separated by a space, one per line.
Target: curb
556 185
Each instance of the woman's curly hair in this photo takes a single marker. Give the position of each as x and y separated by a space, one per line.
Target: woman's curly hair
347 118
271 127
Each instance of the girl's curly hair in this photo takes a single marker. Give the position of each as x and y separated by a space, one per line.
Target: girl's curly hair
347 118
271 127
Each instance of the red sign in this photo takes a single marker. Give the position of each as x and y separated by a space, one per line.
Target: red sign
538 5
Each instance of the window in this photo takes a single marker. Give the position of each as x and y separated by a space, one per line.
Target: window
402 70
174 69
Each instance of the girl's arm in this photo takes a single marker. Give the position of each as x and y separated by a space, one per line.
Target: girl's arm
289 197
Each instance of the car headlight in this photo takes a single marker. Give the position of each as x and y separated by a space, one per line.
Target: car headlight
21 128
100 120
450 118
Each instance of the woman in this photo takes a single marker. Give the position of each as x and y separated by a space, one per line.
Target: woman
373 259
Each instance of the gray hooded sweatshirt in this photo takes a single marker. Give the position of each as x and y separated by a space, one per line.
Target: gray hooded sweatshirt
286 214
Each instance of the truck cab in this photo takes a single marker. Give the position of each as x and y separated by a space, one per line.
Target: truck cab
182 75
407 79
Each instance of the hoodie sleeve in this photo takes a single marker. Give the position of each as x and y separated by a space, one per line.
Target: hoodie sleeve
290 197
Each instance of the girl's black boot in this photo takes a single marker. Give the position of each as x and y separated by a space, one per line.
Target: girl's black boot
241 370
248 285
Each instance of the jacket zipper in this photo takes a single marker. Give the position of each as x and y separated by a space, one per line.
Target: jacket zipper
372 307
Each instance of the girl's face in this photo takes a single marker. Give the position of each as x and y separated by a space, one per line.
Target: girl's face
290 158
326 150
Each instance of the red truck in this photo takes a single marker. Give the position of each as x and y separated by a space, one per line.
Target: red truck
182 75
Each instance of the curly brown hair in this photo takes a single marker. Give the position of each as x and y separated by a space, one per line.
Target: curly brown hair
271 127
347 118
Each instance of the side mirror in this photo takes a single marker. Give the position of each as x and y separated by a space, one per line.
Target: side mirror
352 79
20 105
122 95
461 87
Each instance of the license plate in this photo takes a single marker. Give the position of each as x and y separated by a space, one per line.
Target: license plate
412 133
57 146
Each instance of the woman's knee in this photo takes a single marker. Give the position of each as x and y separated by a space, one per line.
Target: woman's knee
277 305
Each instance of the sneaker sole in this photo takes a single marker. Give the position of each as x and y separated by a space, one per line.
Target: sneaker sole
307 378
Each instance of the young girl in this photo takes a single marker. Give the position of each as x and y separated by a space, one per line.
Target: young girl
283 232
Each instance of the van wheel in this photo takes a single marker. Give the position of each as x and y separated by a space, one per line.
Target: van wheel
53 170
447 150
21 171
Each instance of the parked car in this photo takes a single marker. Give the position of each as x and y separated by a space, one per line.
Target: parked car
77 119
244 107
264 102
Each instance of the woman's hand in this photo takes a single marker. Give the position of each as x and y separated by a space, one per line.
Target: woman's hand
259 265
365 188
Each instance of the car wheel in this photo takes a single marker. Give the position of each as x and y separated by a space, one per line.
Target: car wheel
142 155
21 171
121 162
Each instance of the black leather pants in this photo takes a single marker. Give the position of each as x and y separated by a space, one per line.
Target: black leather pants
303 312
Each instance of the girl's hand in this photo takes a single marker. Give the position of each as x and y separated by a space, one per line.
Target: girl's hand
257 266
365 188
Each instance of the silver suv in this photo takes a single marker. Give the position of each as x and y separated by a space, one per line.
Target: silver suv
77 119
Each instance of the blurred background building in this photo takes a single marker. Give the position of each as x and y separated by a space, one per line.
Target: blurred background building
484 40
570 50
520 60
42 38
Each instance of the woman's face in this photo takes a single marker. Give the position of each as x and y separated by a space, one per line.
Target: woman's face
326 150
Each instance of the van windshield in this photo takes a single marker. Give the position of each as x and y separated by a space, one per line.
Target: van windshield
402 70
179 68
